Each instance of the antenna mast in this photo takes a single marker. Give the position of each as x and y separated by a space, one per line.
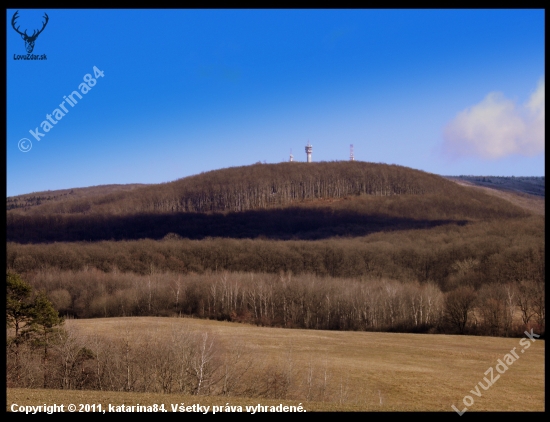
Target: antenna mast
351 156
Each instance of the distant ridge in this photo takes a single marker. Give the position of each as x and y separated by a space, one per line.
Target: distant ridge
533 185
277 201
259 186
34 199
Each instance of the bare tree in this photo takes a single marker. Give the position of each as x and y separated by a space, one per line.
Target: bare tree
236 364
540 304
525 300
204 363
459 304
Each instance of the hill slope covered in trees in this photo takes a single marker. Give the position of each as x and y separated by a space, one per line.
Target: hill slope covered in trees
278 201
340 245
258 186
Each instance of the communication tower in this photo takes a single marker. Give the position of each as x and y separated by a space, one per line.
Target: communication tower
351 156
308 151
291 156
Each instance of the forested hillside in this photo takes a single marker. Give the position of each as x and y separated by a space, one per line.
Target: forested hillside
30 200
280 201
259 186
339 245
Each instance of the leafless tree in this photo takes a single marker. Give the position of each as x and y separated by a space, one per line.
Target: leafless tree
204 363
459 304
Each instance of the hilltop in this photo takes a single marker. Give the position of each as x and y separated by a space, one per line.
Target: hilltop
258 186
279 201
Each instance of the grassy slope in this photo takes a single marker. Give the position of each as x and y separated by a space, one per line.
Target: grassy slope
530 185
533 203
406 372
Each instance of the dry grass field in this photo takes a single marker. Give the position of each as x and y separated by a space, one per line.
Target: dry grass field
366 371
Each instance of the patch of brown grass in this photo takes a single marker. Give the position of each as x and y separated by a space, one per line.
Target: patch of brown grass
371 371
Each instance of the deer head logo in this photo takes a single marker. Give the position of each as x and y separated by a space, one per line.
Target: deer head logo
29 40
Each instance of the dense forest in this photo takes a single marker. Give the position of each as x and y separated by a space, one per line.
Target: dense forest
256 187
304 301
502 251
282 201
339 245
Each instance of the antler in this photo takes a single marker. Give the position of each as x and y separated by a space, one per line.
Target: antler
34 35
13 24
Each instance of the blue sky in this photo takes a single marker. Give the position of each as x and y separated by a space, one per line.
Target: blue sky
186 91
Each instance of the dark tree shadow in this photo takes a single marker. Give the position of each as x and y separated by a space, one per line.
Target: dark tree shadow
281 224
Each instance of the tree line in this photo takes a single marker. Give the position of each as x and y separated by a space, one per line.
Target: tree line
307 301
43 352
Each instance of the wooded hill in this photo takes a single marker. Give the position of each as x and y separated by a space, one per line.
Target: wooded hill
277 201
380 246
258 186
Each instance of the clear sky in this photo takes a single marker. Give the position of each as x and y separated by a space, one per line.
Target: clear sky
186 91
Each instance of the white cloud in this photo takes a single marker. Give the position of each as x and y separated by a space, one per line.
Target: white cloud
497 127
